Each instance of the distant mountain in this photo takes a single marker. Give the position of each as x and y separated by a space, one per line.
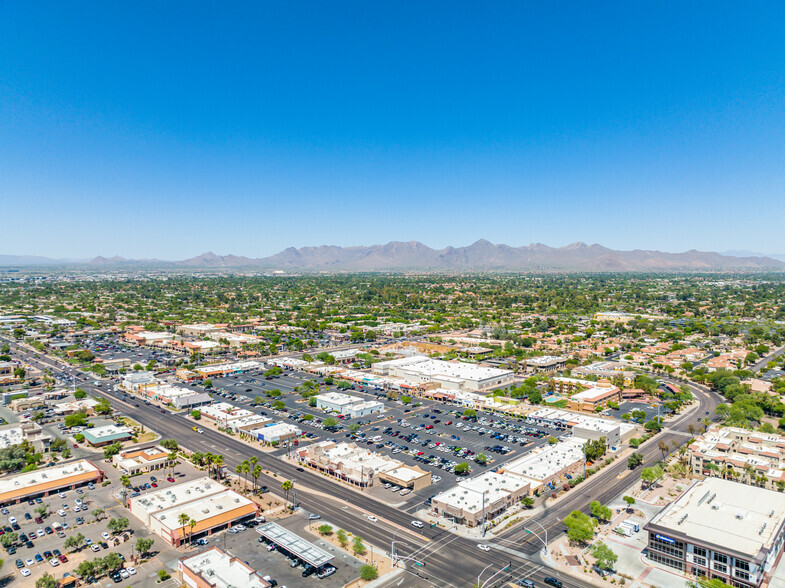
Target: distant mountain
744 253
25 260
480 256
484 255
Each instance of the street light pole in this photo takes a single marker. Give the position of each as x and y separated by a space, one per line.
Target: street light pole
545 542
483 512
482 572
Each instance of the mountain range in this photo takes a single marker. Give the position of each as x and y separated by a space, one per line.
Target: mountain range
413 256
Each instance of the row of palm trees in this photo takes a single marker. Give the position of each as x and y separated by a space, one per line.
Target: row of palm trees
250 467
184 521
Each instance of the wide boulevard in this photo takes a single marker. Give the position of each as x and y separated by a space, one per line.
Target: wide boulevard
448 559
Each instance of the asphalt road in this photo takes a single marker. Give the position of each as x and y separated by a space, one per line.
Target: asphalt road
450 560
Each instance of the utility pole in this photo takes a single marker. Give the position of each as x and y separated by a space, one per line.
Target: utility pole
483 512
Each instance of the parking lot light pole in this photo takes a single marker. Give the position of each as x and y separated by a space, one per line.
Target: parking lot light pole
483 512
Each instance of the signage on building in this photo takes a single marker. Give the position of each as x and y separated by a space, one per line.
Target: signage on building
663 538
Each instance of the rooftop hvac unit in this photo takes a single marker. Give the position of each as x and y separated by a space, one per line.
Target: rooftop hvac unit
205 510
740 514
682 519
761 529
771 514
712 497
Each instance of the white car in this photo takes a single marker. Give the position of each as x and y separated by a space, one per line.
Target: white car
483 547
417 524
106 536
131 570
29 562
61 512
11 520
78 502
61 494
40 532
124 573
54 562
25 572
372 518
95 547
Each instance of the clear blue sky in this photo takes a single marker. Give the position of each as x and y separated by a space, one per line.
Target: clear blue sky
166 129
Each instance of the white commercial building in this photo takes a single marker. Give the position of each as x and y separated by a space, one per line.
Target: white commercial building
352 406
223 412
485 496
547 465
360 466
208 503
216 569
276 433
448 374
585 426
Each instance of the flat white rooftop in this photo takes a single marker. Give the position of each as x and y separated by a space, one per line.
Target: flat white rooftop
547 460
468 494
46 476
720 512
223 570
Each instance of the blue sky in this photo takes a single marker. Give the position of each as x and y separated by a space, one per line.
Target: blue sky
169 129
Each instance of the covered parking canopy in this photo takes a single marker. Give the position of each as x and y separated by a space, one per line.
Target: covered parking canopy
294 544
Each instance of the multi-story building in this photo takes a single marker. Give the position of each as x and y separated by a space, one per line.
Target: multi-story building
545 466
750 457
352 406
720 529
544 364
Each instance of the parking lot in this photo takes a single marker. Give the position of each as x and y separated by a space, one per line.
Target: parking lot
40 546
433 436
278 565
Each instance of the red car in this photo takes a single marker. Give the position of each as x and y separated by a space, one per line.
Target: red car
62 558
170 479
154 485
75 445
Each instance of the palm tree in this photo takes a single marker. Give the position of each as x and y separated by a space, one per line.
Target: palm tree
209 459
183 520
218 460
286 487
126 482
191 525
257 471
172 462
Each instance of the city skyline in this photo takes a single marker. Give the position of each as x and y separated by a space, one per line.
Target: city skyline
155 132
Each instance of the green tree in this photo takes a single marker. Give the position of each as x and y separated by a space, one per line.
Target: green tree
111 562
470 413
287 486
98 513
143 545
368 572
74 542
329 423
604 555
528 501
599 511
358 547
103 407
77 419
46 581
117 525
208 383
85 568
406 399
481 458
342 537
580 527
79 394
634 460
629 500
325 530
651 475
462 468
196 415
